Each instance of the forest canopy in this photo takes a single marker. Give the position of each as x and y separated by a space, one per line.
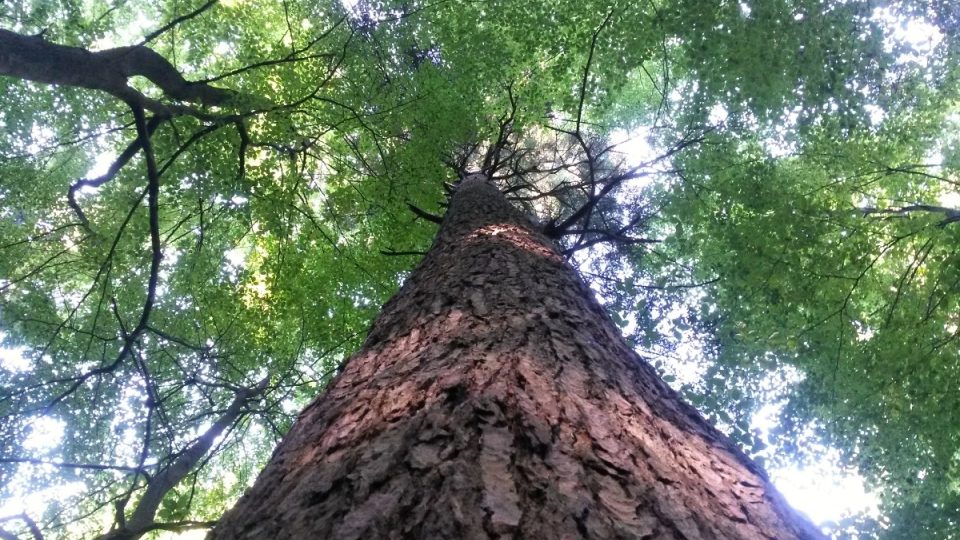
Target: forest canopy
203 204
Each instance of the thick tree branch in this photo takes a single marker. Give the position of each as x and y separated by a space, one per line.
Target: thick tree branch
30 523
141 521
156 256
424 214
35 59
607 238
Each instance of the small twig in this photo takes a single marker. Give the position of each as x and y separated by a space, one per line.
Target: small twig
183 18
394 253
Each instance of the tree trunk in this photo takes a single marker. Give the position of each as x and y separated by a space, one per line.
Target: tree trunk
494 398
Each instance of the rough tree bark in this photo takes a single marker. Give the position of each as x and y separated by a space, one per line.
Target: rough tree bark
494 398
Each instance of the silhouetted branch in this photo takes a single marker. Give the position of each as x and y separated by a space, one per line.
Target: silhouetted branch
293 56
183 18
424 214
951 215
156 255
586 68
180 526
30 523
394 253
35 59
66 465
492 161
124 158
554 230
141 521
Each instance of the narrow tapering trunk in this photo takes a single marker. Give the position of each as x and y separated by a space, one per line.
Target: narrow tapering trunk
494 398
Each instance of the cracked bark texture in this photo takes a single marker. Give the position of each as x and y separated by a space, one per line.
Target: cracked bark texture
494 398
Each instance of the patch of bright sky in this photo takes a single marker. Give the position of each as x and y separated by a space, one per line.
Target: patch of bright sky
139 26
45 436
12 359
29 499
41 137
950 199
918 36
823 489
633 146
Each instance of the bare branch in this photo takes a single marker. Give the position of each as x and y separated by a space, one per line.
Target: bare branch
492 161
951 215
180 526
183 18
35 59
141 521
153 204
424 214
293 56
394 253
586 68
66 465
124 158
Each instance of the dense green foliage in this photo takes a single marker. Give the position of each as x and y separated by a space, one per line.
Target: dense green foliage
794 217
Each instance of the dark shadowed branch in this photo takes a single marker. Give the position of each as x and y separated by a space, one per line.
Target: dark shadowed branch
951 215
124 158
66 465
395 253
586 68
35 59
142 518
28 521
156 255
178 20
421 213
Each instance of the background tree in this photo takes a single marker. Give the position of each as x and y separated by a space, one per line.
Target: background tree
192 241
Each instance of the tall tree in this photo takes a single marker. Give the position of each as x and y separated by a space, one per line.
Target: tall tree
203 204
494 397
